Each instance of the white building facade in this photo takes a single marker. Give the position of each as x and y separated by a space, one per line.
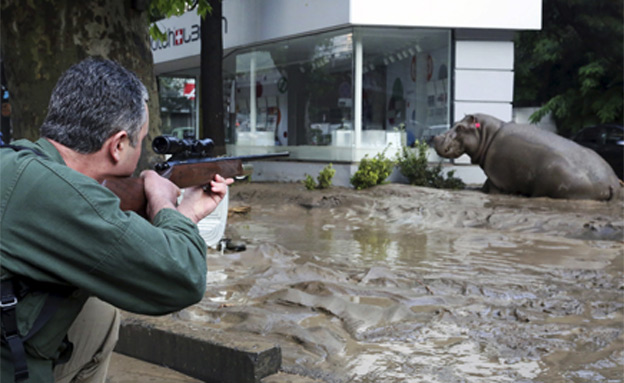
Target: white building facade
335 80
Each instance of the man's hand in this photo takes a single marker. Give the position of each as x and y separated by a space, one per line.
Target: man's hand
198 201
160 193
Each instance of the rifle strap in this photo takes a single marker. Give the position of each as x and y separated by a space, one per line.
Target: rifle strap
10 332
12 291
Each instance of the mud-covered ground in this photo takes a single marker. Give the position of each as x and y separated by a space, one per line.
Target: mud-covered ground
407 284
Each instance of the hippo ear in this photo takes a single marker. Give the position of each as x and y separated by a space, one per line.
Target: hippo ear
466 120
475 122
467 123
472 121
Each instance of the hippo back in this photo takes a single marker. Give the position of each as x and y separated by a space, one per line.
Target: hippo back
523 159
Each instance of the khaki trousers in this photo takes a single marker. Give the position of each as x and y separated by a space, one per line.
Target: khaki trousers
94 334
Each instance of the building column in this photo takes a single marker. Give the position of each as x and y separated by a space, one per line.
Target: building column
252 93
358 55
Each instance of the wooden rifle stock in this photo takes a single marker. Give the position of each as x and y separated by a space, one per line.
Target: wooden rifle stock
197 172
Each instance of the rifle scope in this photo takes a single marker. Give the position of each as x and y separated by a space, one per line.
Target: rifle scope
186 146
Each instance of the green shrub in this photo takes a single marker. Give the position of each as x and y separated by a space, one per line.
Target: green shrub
417 171
412 166
437 179
324 179
372 171
309 182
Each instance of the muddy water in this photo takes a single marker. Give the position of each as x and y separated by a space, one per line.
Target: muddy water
406 284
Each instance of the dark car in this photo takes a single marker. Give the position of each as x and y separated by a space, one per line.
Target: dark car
606 140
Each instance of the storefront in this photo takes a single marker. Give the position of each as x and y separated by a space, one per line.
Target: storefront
359 87
335 80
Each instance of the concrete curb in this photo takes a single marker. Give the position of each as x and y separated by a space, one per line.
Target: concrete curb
204 355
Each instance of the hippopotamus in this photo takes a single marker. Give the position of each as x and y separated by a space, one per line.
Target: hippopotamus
525 160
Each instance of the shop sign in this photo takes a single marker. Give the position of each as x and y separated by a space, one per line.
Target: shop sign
182 38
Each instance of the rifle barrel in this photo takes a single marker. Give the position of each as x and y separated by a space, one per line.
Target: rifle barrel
250 157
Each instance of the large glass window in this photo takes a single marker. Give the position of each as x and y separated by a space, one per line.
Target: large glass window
178 106
295 92
405 85
301 92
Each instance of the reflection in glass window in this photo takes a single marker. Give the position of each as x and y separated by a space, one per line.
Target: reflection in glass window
300 91
405 81
178 108
294 92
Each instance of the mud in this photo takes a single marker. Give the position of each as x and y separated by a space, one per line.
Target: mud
407 284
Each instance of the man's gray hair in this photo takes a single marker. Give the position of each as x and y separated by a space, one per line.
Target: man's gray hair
92 101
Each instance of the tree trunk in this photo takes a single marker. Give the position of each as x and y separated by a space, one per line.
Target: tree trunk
211 83
40 40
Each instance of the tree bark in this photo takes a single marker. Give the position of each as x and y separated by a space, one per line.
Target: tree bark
40 40
211 83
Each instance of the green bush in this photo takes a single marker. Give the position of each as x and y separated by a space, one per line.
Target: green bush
438 180
324 179
417 171
309 182
372 171
412 166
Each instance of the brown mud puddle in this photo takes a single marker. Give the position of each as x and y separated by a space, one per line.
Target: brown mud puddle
406 284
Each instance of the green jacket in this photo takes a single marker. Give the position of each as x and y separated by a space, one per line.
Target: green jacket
60 226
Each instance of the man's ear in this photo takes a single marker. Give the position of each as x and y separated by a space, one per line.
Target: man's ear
116 144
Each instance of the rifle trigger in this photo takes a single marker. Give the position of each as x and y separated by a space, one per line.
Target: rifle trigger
162 166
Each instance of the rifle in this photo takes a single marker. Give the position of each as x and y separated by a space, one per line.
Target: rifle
192 163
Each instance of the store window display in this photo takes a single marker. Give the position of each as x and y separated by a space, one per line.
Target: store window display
301 91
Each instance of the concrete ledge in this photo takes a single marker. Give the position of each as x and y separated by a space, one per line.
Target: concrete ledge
295 171
204 355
